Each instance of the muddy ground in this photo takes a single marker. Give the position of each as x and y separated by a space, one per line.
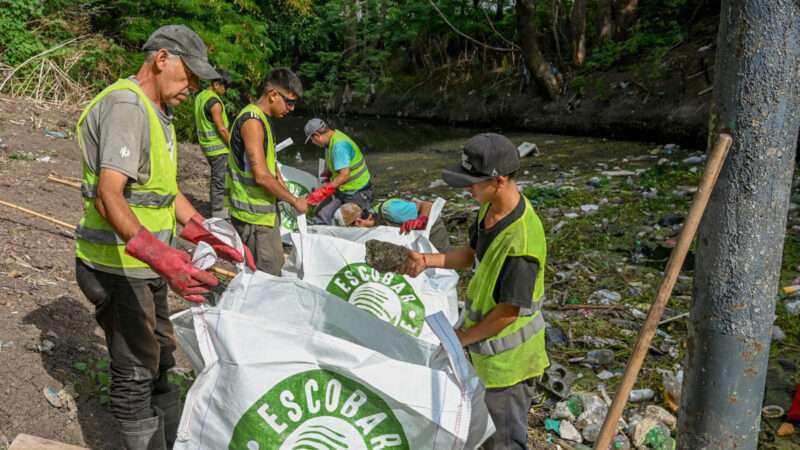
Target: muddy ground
49 339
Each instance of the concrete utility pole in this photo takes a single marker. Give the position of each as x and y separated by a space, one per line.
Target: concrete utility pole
741 238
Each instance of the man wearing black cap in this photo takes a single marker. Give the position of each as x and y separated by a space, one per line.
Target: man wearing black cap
211 123
503 328
124 254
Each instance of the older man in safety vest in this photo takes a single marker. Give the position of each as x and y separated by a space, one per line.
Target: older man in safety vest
124 254
503 326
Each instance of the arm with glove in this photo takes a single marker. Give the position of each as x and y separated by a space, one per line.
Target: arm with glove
174 265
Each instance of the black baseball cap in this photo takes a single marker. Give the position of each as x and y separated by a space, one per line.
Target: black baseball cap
180 40
484 156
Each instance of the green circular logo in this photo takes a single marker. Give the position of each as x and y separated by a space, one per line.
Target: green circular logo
386 295
319 410
288 214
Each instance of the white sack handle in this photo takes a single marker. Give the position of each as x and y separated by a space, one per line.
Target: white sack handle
436 211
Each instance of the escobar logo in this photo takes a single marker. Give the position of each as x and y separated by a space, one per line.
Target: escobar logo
288 214
319 410
386 295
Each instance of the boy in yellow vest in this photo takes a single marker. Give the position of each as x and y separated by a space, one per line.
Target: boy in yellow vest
254 185
211 122
350 180
124 255
503 328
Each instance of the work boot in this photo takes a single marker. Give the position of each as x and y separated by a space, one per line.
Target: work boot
169 404
145 434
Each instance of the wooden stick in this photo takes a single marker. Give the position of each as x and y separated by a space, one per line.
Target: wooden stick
69 226
69 183
713 167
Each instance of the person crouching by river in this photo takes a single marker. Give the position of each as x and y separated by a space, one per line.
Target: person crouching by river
406 214
503 328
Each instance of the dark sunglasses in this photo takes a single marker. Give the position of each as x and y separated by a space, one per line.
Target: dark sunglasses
289 101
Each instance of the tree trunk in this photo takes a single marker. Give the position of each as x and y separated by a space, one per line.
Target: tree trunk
577 22
534 61
625 18
498 14
605 20
740 244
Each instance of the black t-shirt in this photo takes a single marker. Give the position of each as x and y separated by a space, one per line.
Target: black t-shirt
207 108
237 141
517 279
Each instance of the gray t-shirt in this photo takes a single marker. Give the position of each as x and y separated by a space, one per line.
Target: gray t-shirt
116 136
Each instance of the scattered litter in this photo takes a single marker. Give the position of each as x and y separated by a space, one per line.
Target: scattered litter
618 173
562 411
669 148
554 337
673 382
659 438
51 394
55 134
671 219
594 411
785 430
772 411
557 379
528 148
552 425
436 184
571 215
697 159
641 395
642 429
605 375
45 159
558 226
793 308
594 182
599 342
567 431
589 208
662 415
777 333
604 297
46 346
603 357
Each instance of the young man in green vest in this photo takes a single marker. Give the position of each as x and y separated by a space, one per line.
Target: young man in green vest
124 255
346 168
254 185
211 123
503 327
406 214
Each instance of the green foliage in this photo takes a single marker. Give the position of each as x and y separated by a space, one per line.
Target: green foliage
96 379
17 42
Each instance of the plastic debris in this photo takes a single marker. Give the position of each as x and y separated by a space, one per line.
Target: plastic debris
567 431
552 425
772 411
594 411
598 342
641 395
528 148
659 439
595 182
51 394
662 415
642 429
604 297
437 183
571 215
672 388
618 173
785 430
554 337
605 375
603 357
697 159
46 346
591 432
793 308
45 159
777 333
55 134
562 411
589 208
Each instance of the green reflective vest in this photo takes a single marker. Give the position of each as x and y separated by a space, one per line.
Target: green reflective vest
359 174
208 137
153 202
247 201
517 353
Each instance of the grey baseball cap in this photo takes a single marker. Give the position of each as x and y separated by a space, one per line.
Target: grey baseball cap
182 41
484 156
312 126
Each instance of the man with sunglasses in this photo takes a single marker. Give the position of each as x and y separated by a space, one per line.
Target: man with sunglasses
211 123
254 184
503 327
350 180
124 255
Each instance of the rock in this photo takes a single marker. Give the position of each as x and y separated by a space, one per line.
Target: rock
605 375
567 431
785 430
562 411
385 256
662 415
604 297
777 333
602 357
589 208
641 395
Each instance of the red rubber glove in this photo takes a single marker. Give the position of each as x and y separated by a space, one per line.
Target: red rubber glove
194 232
415 224
794 410
174 265
320 194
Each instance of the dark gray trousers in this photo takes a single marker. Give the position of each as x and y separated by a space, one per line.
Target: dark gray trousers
264 243
216 195
509 410
324 212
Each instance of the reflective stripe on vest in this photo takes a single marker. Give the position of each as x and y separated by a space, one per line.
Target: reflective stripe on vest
494 346
207 136
138 198
245 199
477 316
359 173
153 203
